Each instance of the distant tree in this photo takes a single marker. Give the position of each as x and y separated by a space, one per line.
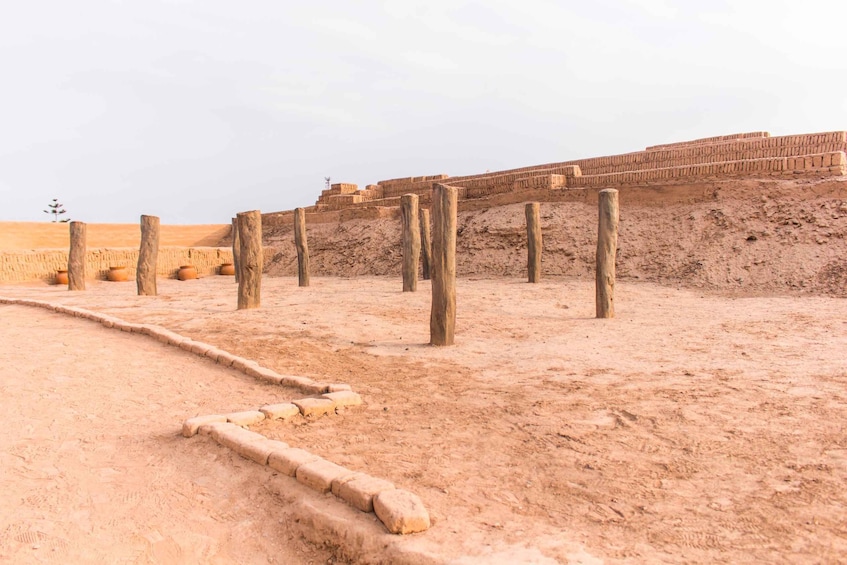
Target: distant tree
56 210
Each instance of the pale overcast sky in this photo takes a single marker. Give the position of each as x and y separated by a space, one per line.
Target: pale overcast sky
195 110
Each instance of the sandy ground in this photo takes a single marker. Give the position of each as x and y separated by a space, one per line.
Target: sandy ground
93 470
693 427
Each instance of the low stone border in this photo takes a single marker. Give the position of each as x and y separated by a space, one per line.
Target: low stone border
246 366
401 511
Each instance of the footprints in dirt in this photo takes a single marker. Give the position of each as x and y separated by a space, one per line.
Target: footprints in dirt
23 536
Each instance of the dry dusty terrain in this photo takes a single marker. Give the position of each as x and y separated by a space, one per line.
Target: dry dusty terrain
741 237
693 427
93 470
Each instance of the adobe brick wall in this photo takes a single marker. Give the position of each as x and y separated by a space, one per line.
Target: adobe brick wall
33 265
31 251
741 155
704 140
48 235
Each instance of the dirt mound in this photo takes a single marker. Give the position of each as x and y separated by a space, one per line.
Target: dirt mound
740 236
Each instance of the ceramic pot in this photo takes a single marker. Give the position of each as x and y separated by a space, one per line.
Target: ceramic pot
227 269
117 274
186 273
62 276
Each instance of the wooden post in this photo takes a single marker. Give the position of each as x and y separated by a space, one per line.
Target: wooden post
148 254
426 246
236 249
607 246
302 245
411 241
442 320
250 260
533 241
76 257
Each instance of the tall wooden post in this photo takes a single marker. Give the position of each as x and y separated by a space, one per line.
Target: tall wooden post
302 245
76 257
148 254
250 260
607 246
533 241
426 245
442 320
411 241
236 249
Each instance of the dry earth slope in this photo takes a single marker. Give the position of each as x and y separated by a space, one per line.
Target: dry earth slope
747 237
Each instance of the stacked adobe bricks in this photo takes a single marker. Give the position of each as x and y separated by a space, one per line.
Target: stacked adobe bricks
744 155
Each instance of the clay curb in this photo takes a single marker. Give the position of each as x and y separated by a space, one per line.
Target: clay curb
321 476
401 512
199 348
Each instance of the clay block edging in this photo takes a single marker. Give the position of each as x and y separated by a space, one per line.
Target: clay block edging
314 407
361 491
406 514
192 425
344 398
400 511
247 418
319 474
282 411
168 337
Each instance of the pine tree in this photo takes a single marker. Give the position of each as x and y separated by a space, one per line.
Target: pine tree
57 209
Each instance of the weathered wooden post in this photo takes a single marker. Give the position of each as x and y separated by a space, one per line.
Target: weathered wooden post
533 241
302 245
426 246
411 241
148 254
250 260
442 320
236 249
607 245
76 257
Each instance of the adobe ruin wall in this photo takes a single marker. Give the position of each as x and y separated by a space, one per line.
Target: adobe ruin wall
736 156
32 251
740 213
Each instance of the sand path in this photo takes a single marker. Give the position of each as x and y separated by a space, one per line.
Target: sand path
693 427
92 469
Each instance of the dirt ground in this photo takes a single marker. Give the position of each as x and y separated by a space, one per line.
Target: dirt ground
693 427
93 470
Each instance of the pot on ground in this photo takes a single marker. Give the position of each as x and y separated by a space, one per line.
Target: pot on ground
187 273
118 274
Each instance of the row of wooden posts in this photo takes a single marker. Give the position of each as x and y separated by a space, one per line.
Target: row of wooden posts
438 255
416 245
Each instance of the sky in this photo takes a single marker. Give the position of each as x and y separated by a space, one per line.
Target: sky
196 110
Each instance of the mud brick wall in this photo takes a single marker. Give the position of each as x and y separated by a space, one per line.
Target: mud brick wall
701 141
828 164
762 148
720 149
542 181
329 197
753 154
32 265
48 235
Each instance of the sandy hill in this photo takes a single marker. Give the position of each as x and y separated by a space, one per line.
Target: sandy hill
741 236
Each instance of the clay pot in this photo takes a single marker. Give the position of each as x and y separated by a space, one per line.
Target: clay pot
117 274
186 273
227 269
62 276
